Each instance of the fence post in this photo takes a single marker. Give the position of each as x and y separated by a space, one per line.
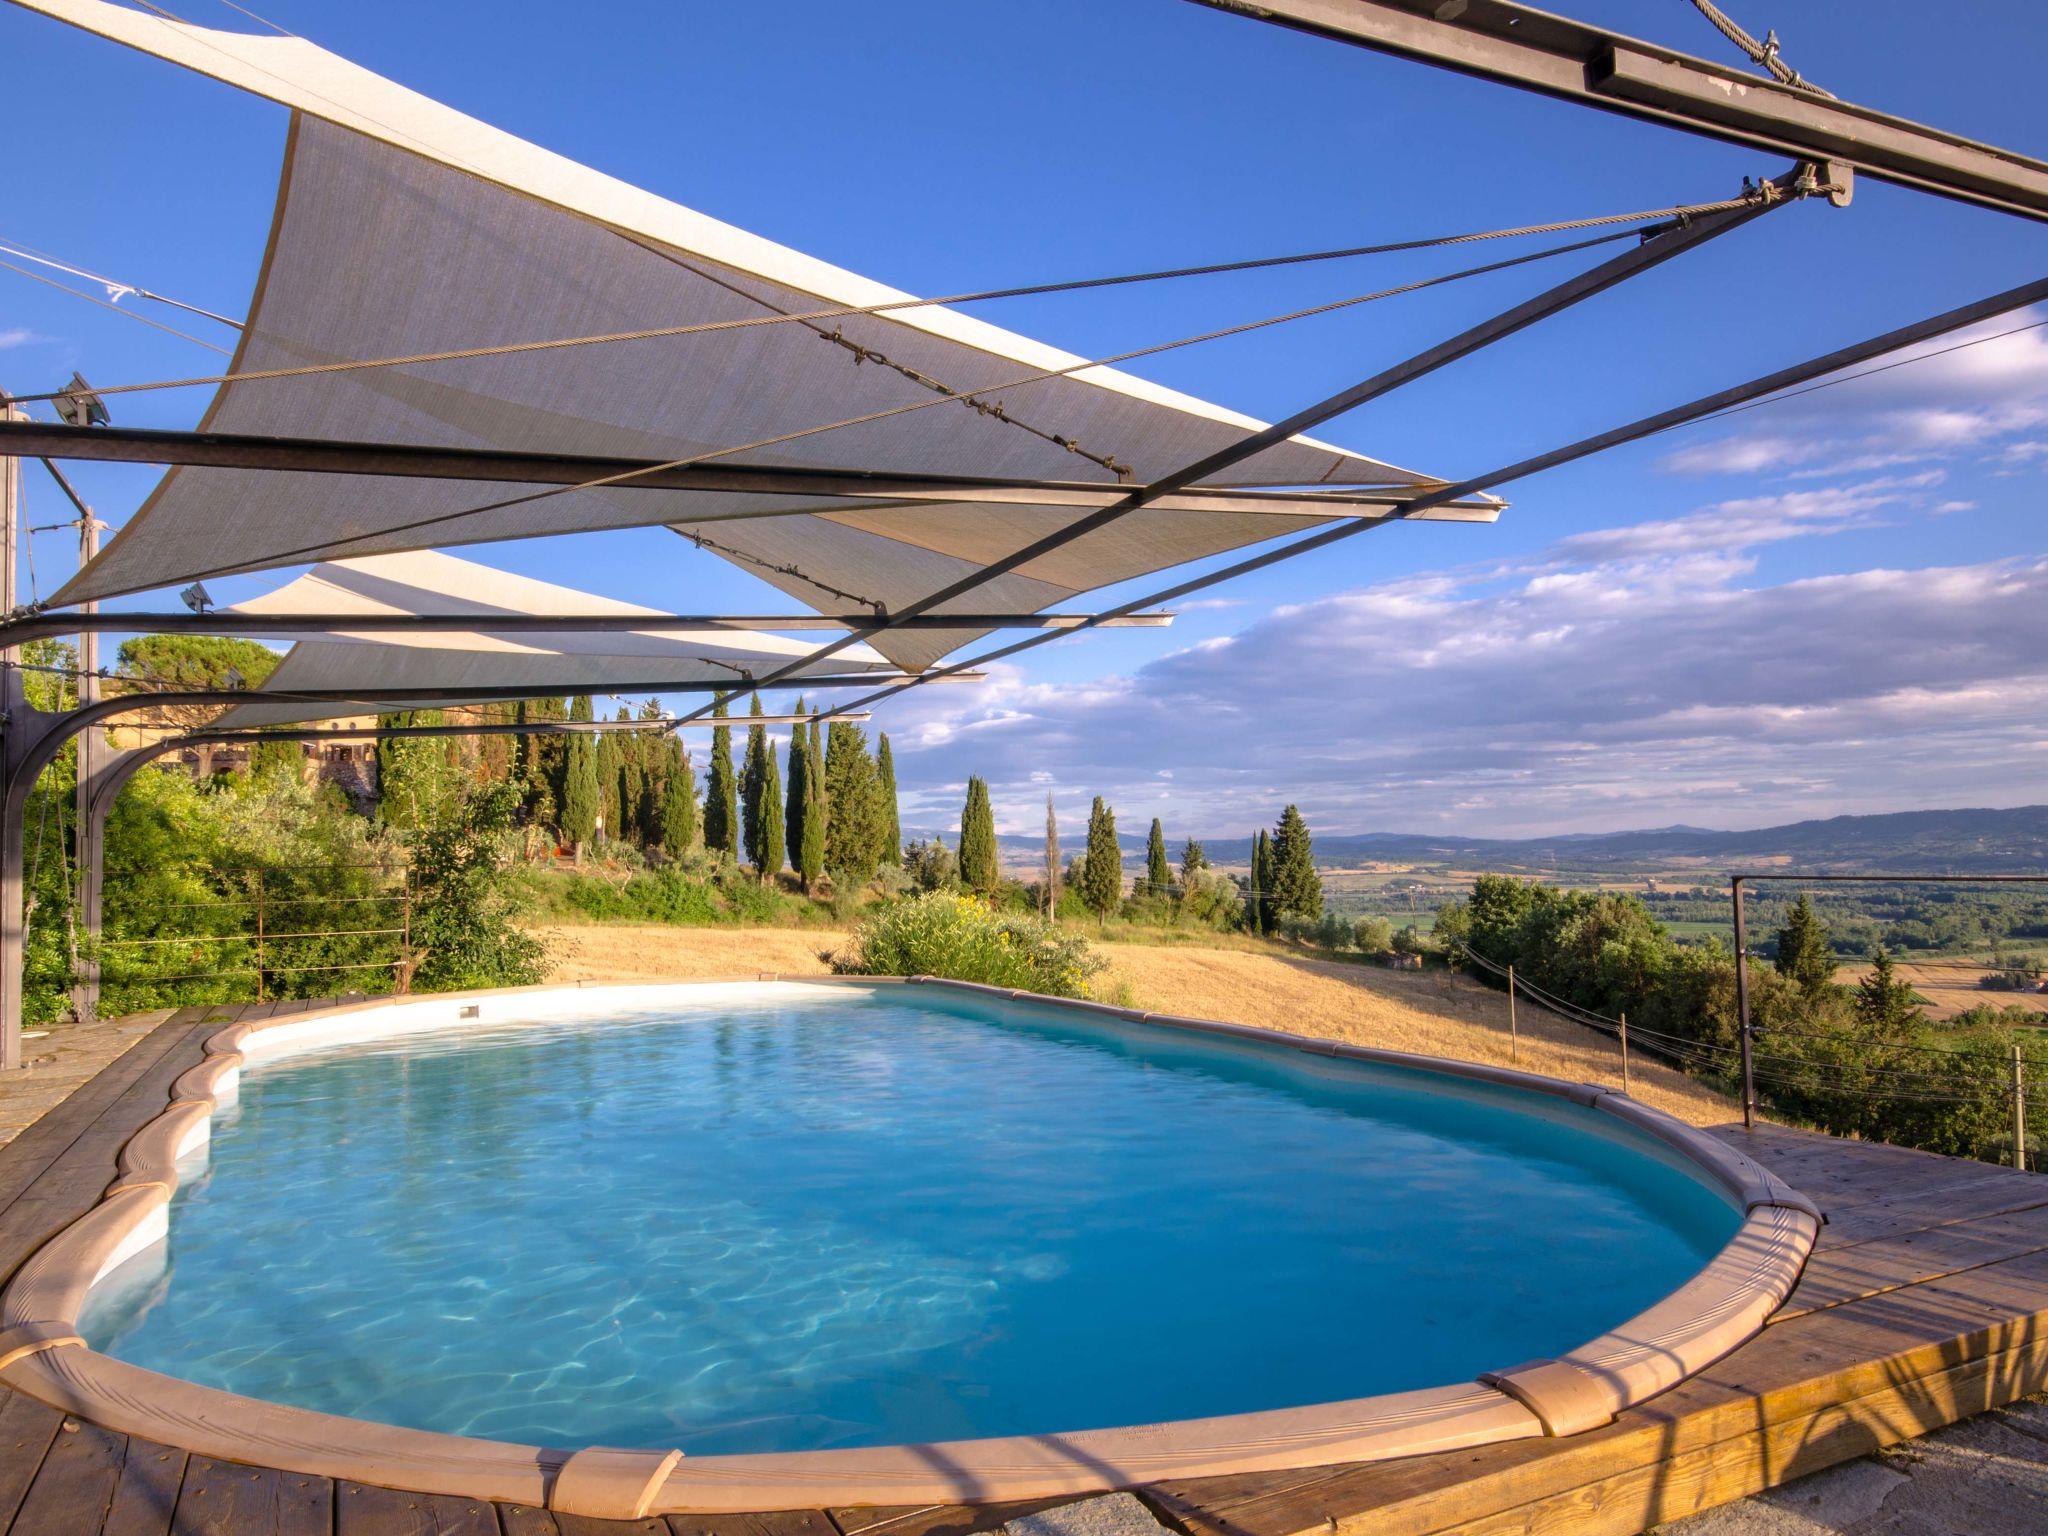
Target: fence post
1742 1006
2019 1110
1514 1034
405 943
259 933
1624 1054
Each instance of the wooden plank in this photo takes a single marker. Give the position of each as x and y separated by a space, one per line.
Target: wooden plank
361 1509
789 1522
525 1520
27 1429
932 1520
75 1485
1923 1210
146 1496
1870 1269
585 1525
224 1498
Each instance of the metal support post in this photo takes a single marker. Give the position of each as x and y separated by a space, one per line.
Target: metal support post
1742 1006
1514 1034
2019 1110
1624 1054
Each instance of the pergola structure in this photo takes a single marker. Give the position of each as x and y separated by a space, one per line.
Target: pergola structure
447 317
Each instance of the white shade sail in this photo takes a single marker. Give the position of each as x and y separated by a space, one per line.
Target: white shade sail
404 227
385 664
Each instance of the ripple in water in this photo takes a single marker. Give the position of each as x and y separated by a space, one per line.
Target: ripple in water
824 1219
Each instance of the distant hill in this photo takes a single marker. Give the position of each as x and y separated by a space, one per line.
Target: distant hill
1965 841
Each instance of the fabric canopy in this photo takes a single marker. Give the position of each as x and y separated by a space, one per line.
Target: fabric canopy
404 227
385 664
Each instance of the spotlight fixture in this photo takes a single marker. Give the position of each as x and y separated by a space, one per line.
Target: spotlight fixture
196 597
79 406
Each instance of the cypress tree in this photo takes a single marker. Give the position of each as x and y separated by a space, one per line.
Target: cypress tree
611 781
797 794
811 851
721 801
773 842
892 822
582 797
1297 888
1258 912
1052 860
853 808
1193 860
754 776
979 868
1803 952
678 805
1158 878
1102 868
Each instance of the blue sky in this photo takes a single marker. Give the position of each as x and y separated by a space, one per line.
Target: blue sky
1836 605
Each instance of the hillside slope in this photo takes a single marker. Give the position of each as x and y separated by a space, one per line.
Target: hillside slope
1431 1013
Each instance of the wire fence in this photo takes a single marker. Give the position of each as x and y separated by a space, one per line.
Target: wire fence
275 939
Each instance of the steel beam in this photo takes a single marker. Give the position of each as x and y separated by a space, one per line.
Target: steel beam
1649 426
224 450
1555 56
1672 240
37 626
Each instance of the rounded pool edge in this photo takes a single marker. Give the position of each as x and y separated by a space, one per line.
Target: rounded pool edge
41 1353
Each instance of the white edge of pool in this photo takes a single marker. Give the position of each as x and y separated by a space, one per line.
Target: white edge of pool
42 1354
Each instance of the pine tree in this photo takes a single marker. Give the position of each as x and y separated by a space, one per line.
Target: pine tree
892 821
1158 878
853 808
1052 860
1102 869
678 806
721 800
754 776
1803 952
1297 888
582 797
979 869
1193 860
1882 1000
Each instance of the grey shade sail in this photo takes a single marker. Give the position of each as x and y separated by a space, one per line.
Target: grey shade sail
389 669
403 227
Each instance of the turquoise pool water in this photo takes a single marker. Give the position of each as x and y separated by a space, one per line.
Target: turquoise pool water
830 1219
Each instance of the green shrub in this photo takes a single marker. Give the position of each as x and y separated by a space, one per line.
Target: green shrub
946 933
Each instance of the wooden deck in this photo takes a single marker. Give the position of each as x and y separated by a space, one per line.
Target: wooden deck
1924 1303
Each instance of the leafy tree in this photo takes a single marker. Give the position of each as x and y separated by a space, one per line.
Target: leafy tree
721 798
462 912
1102 868
1883 1001
1297 888
931 866
416 783
1372 935
1052 860
582 798
1194 859
678 806
979 870
853 808
892 818
1803 952
1158 878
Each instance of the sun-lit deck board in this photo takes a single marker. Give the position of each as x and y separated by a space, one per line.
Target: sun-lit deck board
1927 1300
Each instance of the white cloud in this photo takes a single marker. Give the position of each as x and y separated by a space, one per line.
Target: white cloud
18 336
1630 676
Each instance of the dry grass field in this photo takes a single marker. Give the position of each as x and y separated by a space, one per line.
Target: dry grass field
1428 1012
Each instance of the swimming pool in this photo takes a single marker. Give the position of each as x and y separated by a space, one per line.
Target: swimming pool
785 1226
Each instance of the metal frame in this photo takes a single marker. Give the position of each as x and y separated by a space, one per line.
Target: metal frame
1660 246
1568 60
39 626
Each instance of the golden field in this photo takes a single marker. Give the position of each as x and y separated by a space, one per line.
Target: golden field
1429 1012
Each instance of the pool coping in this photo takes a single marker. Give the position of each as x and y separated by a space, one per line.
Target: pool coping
41 1354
